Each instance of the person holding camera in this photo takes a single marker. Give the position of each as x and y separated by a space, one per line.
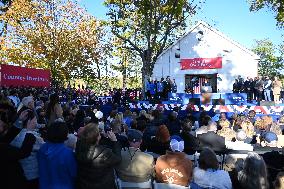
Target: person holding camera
95 161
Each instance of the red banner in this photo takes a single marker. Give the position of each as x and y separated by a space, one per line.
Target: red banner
201 63
19 76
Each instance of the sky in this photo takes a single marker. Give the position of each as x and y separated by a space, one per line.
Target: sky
231 17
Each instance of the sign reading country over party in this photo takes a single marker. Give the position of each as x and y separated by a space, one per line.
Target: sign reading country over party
201 63
20 76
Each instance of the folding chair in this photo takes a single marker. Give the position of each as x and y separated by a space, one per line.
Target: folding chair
145 185
169 186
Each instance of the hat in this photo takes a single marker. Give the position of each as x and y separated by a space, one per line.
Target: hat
27 100
177 143
134 135
99 114
270 137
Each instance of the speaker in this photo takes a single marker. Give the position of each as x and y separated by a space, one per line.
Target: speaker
267 103
219 101
194 101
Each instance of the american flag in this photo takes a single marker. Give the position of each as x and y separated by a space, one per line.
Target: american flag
197 89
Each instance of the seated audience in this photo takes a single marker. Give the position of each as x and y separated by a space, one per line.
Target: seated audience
223 121
207 175
174 167
57 164
239 144
254 174
136 166
173 123
191 143
96 162
161 142
211 139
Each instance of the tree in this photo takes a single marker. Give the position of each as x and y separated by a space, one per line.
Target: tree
148 26
58 35
276 6
271 59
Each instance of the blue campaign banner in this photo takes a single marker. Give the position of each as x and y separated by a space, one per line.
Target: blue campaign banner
235 98
208 98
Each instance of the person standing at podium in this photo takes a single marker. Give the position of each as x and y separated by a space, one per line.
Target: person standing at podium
206 87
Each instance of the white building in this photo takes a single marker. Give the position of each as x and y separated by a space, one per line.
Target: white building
203 41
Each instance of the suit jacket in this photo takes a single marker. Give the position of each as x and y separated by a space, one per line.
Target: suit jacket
212 140
131 169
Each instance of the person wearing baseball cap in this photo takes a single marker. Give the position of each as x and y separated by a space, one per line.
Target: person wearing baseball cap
130 168
174 167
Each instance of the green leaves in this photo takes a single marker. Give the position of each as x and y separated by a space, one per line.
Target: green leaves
148 25
58 35
271 60
276 6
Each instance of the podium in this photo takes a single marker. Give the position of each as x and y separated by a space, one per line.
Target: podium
206 89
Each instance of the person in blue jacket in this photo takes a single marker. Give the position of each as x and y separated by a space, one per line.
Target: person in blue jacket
57 164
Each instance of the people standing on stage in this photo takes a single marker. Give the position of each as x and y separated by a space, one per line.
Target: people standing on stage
254 89
276 88
174 86
236 86
160 89
267 88
248 85
241 85
259 88
152 90
148 88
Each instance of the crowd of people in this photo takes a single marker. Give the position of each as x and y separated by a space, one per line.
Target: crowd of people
259 88
158 90
48 144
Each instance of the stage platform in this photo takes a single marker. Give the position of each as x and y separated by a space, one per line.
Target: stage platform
267 110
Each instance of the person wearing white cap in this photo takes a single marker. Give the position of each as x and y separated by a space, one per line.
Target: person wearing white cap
174 167
239 144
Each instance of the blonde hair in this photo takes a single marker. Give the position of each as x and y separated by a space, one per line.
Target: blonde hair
276 129
248 127
267 122
224 123
227 133
90 133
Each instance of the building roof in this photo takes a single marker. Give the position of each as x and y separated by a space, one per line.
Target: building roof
222 35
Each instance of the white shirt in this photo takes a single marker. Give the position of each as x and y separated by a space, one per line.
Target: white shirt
238 145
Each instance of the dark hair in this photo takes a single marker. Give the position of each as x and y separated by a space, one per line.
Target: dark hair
156 114
141 125
53 100
187 124
208 159
205 120
30 116
57 132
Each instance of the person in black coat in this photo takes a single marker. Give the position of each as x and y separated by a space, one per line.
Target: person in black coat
96 162
11 172
191 143
212 140
173 124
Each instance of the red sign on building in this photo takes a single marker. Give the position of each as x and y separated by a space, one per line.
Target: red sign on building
201 63
19 76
